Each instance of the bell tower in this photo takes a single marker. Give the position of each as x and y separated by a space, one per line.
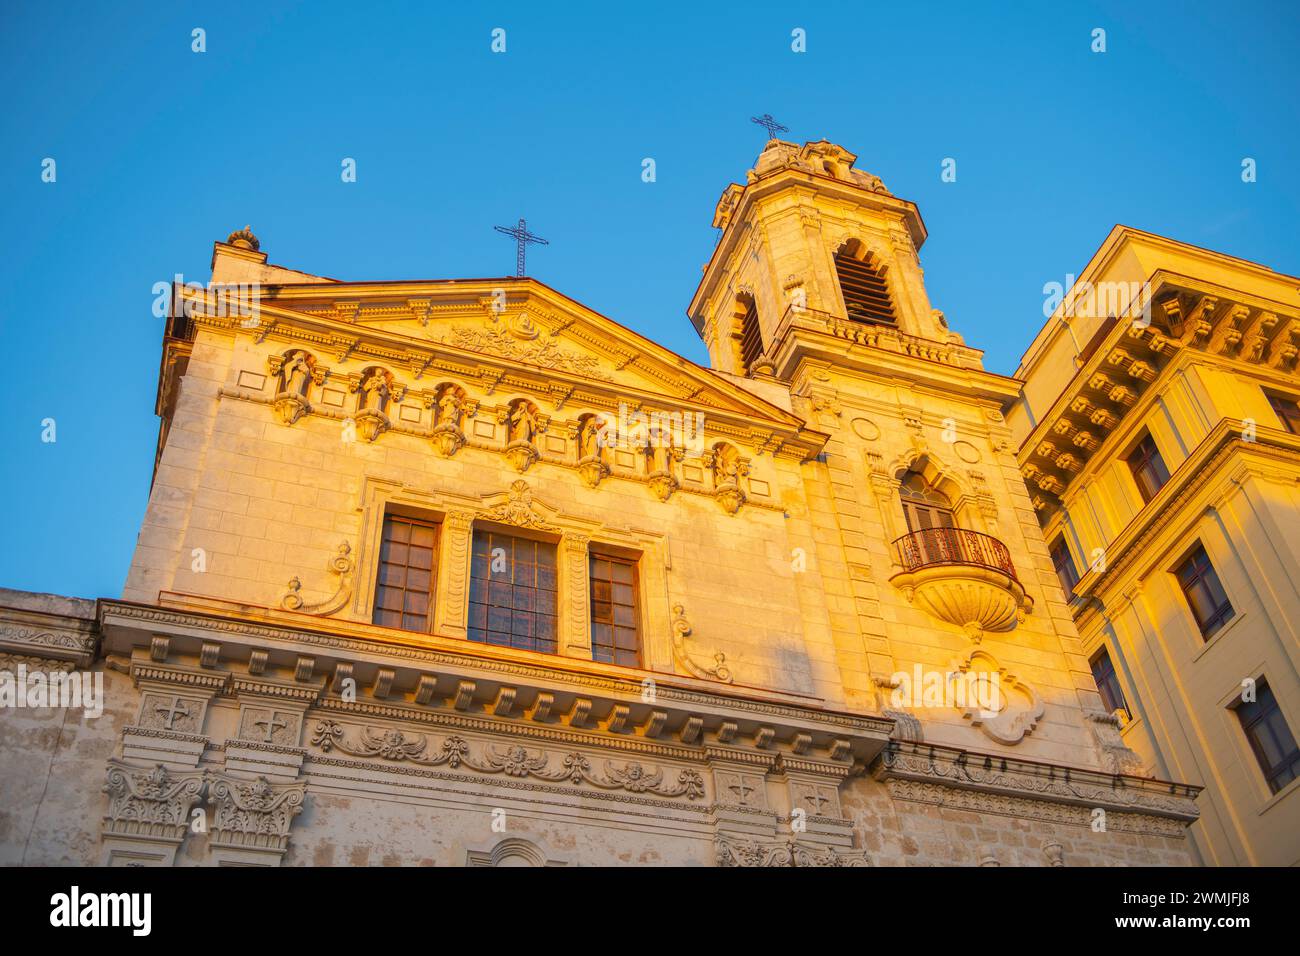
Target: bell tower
811 241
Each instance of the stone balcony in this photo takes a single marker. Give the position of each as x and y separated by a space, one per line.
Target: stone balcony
963 577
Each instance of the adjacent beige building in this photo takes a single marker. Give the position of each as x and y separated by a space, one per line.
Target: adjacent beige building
1158 437
461 572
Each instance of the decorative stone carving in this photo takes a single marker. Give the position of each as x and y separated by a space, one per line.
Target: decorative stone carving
518 510
681 630
947 776
150 804
375 387
545 353
747 853
517 761
523 425
1115 754
592 435
974 597
663 484
457 531
1007 710
577 625
448 433
295 370
244 239
254 814
342 565
728 470
269 726
171 712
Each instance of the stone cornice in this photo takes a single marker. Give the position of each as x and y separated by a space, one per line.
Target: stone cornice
1190 321
48 636
680 712
684 380
930 764
1209 458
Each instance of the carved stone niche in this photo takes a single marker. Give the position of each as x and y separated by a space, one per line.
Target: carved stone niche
592 436
523 423
148 813
661 457
449 409
296 371
729 470
375 388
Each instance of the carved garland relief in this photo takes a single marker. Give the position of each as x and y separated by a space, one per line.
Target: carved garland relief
455 752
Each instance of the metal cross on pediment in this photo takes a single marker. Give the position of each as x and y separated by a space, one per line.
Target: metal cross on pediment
522 237
769 124
170 713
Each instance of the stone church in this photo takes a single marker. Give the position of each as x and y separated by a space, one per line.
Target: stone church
461 572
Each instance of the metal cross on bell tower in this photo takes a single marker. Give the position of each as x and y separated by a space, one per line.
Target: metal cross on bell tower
769 124
522 237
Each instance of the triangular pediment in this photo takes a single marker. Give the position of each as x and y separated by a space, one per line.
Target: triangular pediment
516 324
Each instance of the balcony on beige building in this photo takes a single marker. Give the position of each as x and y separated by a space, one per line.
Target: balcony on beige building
963 577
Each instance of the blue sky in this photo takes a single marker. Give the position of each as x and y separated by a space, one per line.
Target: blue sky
161 150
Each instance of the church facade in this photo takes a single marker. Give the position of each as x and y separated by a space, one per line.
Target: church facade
462 572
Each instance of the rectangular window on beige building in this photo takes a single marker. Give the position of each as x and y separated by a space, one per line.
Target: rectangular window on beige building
512 592
1270 738
404 585
1148 467
615 637
1205 595
1287 411
1064 564
1103 672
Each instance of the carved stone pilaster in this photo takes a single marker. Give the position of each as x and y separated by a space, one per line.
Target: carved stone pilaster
252 818
148 813
453 577
576 641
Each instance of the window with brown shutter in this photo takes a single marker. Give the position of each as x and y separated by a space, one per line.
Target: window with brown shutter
404 585
615 629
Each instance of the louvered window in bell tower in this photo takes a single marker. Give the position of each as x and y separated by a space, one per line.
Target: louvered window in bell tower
866 295
751 336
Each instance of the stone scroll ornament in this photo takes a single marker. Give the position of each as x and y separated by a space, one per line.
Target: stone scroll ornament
342 565
682 630
455 753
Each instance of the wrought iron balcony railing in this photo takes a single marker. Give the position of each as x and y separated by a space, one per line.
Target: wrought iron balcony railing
935 546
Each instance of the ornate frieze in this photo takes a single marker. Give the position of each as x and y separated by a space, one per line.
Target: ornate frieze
959 770
456 752
752 853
